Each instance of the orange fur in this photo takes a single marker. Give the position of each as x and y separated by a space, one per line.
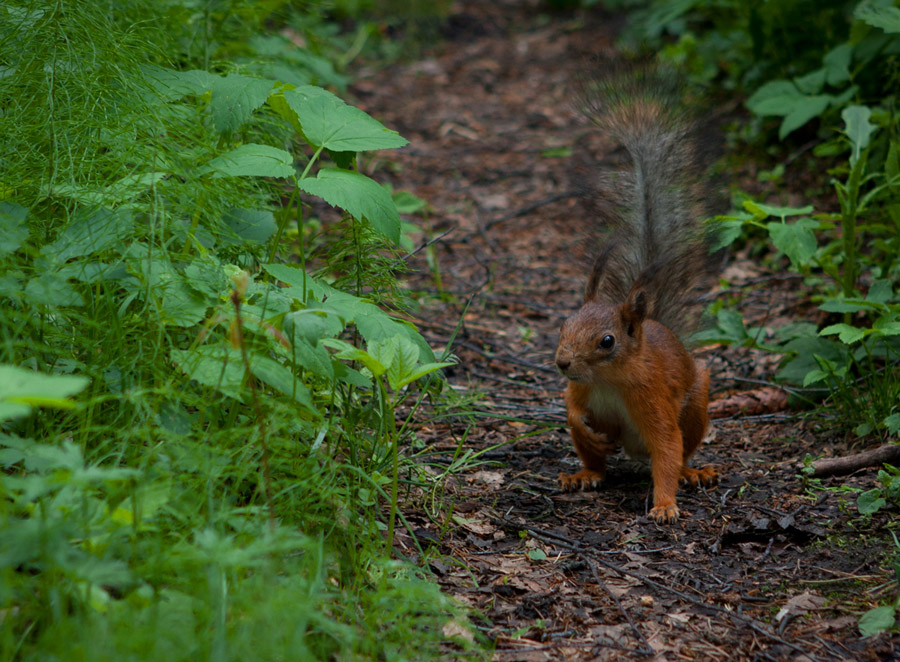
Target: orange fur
646 393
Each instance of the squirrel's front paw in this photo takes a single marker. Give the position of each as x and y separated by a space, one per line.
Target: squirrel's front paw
583 480
706 476
665 514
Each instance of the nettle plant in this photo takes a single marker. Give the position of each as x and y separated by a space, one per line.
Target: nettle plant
235 412
856 357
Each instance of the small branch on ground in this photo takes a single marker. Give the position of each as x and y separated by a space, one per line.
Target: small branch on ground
836 466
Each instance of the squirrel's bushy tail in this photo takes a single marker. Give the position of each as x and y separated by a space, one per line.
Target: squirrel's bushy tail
656 209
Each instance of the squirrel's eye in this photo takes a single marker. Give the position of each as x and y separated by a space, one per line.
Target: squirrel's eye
607 342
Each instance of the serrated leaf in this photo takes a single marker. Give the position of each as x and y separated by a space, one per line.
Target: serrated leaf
876 620
252 160
328 122
847 334
13 228
881 15
858 128
359 195
234 98
796 240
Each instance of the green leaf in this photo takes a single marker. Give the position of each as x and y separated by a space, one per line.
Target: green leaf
22 389
847 334
252 160
801 111
876 620
892 423
13 228
879 15
255 226
216 366
51 289
761 211
774 98
870 502
348 352
282 380
91 231
812 82
858 128
796 240
727 231
850 305
359 195
881 291
537 555
423 370
234 98
837 64
328 122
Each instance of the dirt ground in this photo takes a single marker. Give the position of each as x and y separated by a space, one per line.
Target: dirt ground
764 566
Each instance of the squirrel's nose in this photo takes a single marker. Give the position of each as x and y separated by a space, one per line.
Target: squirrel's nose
563 364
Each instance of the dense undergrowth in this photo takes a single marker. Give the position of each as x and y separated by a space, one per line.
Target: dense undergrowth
198 427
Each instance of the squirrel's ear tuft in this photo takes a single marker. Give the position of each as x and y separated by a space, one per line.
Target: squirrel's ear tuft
634 311
598 271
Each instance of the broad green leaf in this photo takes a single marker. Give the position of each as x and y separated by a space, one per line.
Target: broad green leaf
252 160
348 352
858 128
282 380
13 228
847 334
796 240
774 98
328 122
422 370
801 111
255 226
359 195
216 366
881 291
91 231
234 98
51 289
870 502
312 325
727 230
837 64
879 15
876 620
850 306
812 82
22 389
886 326
892 423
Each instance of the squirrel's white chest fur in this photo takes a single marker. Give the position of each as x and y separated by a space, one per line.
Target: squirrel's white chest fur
605 403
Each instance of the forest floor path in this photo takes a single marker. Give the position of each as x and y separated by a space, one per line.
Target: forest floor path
763 567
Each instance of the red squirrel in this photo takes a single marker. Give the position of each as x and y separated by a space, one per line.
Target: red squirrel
632 383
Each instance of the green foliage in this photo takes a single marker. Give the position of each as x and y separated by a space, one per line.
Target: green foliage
207 476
